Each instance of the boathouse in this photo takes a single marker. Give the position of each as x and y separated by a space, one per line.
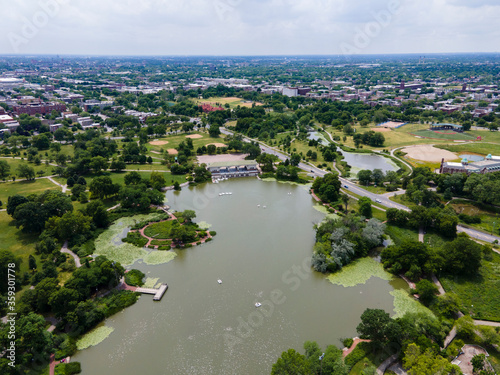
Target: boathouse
232 169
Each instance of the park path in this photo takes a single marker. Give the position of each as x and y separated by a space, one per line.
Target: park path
52 364
355 343
63 187
65 250
486 323
384 365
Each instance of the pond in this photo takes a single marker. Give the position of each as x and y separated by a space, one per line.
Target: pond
261 253
318 137
368 161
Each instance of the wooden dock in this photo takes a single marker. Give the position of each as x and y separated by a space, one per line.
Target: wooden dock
158 293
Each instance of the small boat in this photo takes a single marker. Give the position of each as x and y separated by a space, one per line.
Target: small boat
220 194
258 205
263 206
230 193
258 304
219 281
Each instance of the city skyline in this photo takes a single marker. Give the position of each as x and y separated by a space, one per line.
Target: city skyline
234 27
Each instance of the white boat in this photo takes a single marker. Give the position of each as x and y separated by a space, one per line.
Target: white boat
263 206
230 193
258 205
219 281
258 304
220 194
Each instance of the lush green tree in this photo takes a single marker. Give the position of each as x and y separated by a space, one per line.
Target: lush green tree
365 177
32 263
189 215
4 170
327 188
157 180
462 256
7 261
427 291
26 171
365 207
97 211
133 178
378 176
478 362
70 225
102 187
291 363
410 257
427 363
14 201
373 325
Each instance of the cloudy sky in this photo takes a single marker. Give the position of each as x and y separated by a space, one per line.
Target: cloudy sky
248 27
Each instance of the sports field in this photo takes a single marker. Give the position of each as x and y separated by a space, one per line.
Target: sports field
443 134
232 101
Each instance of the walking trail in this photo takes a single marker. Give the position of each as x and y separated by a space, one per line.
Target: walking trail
65 250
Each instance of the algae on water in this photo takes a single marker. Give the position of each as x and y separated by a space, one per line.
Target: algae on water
159 257
110 245
359 272
151 283
204 225
404 303
94 337
324 210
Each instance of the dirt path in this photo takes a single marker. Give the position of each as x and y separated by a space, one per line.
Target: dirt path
63 187
357 340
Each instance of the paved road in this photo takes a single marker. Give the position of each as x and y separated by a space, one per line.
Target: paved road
382 199
65 250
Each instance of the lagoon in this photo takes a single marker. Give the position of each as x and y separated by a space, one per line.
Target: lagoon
261 255
368 161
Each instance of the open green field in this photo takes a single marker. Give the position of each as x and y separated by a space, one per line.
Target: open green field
147 167
222 101
399 235
12 239
301 147
445 134
159 231
479 294
15 163
24 187
480 148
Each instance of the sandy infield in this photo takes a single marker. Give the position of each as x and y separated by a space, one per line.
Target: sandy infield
158 143
207 159
194 136
172 151
217 144
429 153
381 130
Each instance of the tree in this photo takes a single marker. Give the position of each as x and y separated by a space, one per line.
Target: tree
345 199
410 257
157 180
70 225
24 170
32 263
377 176
13 202
462 256
427 291
365 177
373 325
365 207
7 260
4 170
133 178
189 215
426 363
291 363
177 186
70 181
97 211
102 187
214 131
99 163
478 362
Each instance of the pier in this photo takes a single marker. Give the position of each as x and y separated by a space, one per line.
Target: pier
158 293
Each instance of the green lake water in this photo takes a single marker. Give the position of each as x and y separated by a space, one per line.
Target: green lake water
261 255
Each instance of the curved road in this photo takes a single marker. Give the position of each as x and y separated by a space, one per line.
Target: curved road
383 199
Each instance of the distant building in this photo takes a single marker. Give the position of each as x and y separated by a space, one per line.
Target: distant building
232 169
290 91
54 127
208 108
489 165
41 108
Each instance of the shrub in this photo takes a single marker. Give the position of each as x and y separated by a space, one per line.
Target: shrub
212 233
348 342
208 239
134 277
164 247
360 351
135 238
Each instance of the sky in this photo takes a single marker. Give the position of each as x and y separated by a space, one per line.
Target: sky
248 27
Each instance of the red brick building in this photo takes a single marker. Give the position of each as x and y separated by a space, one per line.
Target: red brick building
42 108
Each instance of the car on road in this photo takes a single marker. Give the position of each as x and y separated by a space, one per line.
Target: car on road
346 187
378 200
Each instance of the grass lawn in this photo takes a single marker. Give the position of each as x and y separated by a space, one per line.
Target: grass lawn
489 219
480 148
12 239
444 134
147 167
374 189
302 148
398 234
372 360
434 240
24 188
159 231
478 295
15 163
